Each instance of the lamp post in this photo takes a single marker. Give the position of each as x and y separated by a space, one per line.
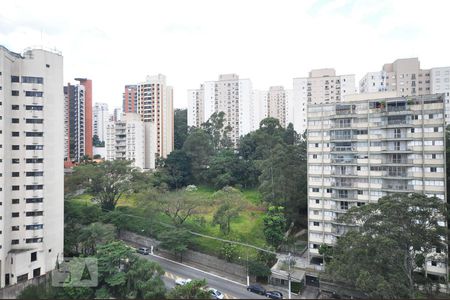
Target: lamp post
246 270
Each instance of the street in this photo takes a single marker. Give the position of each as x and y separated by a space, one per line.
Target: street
174 270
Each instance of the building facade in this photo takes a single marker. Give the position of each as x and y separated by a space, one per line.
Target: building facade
125 140
369 146
31 168
406 78
230 95
321 86
129 99
78 120
100 118
155 107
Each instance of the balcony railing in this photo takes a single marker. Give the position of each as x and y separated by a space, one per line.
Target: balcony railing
343 161
399 187
342 137
343 148
340 173
342 184
398 161
396 122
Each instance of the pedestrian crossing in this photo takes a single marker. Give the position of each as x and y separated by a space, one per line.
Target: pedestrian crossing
175 277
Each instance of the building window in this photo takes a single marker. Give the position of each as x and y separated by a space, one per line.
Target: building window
22 278
15 201
316 223
33 94
315 190
15 214
34 213
15 147
15 107
15 161
15 187
15 120
15 174
433 169
14 78
317 201
434 263
33 256
33 240
34 200
14 242
14 93
29 79
360 203
15 133
15 228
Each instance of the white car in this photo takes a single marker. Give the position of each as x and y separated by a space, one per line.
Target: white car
182 281
215 293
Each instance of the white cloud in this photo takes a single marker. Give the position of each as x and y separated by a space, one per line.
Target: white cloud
270 42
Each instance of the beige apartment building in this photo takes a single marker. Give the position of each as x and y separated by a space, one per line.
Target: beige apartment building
368 146
406 78
321 86
155 107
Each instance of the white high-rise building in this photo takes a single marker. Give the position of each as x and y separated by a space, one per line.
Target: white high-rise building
259 108
100 118
31 163
369 146
155 106
230 95
322 86
125 140
405 77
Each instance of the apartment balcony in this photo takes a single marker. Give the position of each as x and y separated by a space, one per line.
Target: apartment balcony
343 185
397 162
345 161
397 187
342 125
397 175
397 149
339 173
348 137
343 149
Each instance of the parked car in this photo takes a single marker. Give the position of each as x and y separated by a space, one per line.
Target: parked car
274 295
215 293
143 251
257 289
182 281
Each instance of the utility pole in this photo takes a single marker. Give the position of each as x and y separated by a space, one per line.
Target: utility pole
248 277
289 276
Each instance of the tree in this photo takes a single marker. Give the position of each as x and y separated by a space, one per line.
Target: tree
231 203
175 240
199 148
107 181
97 142
178 170
380 256
122 274
274 225
215 127
196 289
180 128
95 234
144 280
177 205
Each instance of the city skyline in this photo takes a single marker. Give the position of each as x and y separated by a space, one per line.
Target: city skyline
377 30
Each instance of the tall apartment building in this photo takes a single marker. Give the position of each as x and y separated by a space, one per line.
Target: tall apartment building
322 86
369 146
276 104
125 140
78 122
129 96
258 110
31 169
406 78
155 106
100 117
229 94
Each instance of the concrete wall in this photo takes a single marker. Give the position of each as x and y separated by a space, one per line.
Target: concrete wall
12 291
206 260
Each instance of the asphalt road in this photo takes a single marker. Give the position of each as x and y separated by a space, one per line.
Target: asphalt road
230 289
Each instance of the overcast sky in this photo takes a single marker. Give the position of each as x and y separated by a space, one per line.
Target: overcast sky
120 42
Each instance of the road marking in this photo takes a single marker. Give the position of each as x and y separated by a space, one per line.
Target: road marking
187 266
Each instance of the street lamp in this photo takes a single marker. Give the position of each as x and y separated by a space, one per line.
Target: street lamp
246 269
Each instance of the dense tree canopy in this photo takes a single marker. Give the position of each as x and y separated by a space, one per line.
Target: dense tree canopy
272 159
380 256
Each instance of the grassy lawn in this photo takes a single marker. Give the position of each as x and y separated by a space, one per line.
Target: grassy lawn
247 227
